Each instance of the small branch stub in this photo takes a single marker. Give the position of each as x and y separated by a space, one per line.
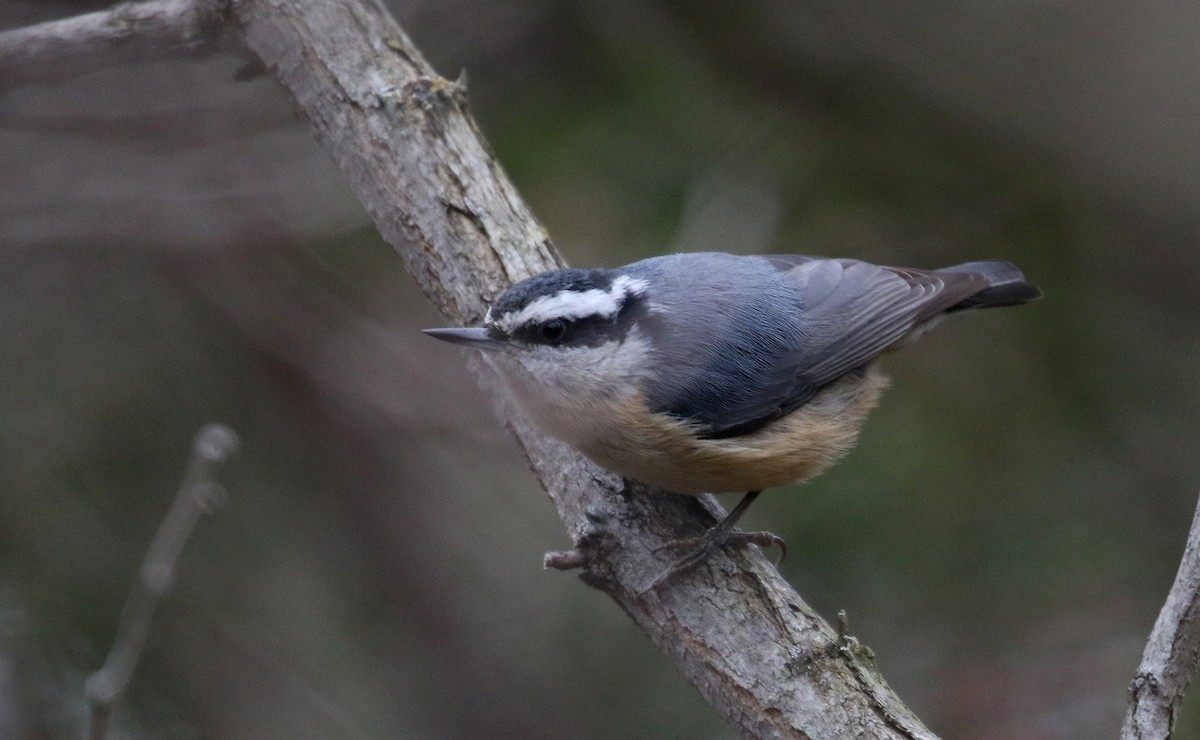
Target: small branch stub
564 560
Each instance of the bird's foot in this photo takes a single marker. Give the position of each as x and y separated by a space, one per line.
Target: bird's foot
699 549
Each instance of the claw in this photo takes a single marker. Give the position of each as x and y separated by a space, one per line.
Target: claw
767 540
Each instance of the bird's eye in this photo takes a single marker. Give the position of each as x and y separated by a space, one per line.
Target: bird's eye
554 330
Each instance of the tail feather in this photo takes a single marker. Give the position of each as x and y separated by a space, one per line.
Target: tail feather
1006 285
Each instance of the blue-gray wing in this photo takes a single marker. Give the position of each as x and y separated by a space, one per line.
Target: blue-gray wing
856 310
845 313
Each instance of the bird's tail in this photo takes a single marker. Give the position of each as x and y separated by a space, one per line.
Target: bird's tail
1006 285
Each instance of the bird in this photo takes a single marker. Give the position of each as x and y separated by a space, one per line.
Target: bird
708 372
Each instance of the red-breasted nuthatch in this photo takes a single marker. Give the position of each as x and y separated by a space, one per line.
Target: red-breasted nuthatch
710 372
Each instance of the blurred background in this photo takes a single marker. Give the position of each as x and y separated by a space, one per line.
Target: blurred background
175 249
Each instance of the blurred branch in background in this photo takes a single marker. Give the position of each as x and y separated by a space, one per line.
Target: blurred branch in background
199 493
1172 652
127 32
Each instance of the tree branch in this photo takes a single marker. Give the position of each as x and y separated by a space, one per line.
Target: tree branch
199 493
1171 654
126 32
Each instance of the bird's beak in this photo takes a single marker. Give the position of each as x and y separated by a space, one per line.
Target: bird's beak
473 337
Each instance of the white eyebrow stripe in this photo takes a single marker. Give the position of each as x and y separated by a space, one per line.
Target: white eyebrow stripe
574 304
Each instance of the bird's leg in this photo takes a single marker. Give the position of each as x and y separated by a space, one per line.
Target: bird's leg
699 549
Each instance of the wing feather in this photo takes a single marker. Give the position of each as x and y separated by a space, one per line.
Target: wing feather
757 357
853 311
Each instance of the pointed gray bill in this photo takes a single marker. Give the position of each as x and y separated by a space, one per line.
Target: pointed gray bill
474 337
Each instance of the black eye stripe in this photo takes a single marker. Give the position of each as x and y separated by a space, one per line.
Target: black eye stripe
592 330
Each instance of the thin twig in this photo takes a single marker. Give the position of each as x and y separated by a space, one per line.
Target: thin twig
1171 654
199 493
